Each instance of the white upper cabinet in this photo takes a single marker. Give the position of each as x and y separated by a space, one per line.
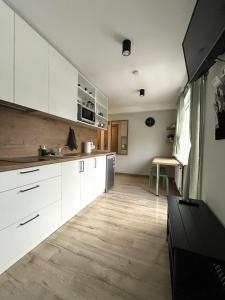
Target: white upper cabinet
63 79
6 52
31 67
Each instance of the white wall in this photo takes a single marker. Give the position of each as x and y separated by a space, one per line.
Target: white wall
213 184
144 142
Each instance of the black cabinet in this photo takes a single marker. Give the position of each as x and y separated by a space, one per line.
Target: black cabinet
196 242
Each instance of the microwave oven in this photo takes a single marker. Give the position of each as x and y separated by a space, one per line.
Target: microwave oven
85 115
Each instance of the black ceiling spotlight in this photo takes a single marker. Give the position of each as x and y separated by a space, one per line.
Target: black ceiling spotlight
142 92
126 48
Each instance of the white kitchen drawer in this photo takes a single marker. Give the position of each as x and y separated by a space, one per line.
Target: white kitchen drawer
35 174
19 203
7 180
19 239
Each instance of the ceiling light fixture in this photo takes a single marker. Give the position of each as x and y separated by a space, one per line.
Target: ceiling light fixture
142 92
126 48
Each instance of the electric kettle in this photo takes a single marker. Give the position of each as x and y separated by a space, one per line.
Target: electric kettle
88 147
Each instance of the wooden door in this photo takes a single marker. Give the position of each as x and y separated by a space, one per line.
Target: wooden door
114 138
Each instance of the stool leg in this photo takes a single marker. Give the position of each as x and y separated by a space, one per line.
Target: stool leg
167 186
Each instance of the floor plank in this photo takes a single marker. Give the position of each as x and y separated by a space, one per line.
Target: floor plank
114 249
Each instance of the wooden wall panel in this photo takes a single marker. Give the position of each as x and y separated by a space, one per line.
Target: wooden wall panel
22 132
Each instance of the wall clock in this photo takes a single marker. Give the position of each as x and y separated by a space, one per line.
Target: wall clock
149 122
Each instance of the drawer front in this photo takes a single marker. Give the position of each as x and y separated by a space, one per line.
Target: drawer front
19 239
7 180
21 202
34 174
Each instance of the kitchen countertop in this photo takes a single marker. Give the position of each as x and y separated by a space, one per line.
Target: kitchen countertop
12 165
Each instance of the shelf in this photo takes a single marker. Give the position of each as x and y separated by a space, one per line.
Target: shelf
170 142
85 93
97 98
85 124
171 127
101 105
101 117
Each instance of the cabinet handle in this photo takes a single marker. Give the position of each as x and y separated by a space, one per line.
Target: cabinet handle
34 187
81 166
31 171
95 163
22 224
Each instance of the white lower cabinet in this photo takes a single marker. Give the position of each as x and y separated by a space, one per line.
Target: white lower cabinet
20 238
40 199
99 175
21 202
70 189
87 181
82 182
35 174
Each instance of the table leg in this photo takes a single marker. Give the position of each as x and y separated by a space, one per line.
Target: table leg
157 179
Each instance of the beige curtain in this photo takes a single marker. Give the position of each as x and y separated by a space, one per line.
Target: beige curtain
193 176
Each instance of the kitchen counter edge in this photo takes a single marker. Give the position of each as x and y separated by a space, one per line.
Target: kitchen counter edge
10 166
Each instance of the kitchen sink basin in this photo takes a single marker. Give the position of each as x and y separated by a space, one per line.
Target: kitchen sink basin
24 159
71 155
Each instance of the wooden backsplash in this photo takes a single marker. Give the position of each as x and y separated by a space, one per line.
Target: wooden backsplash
22 132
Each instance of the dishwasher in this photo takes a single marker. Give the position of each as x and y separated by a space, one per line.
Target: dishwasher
110 171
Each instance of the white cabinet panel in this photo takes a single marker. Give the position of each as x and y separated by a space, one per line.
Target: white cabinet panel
63 79
87 181
70 189
19 203
19 239
35 174
31 67
99 175
6 52
7 180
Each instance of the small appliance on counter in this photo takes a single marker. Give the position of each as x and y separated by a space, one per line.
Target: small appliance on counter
88 147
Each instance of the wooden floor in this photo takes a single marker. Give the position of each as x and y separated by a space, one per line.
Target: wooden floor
114 249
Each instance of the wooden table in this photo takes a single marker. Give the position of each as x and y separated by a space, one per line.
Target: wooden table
166 161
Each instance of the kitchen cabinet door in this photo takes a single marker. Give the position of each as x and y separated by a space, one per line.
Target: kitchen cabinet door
99 175
71 191
20 238
6 52
31 67
63 79
87 181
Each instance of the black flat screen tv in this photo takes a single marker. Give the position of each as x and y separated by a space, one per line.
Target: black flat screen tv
204 40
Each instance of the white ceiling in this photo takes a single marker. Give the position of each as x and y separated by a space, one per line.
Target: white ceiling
89 33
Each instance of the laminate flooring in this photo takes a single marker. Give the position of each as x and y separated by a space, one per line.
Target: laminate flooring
112 250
